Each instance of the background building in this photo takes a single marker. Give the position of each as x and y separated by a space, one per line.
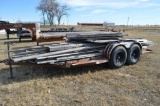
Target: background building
97 24
108 24
90 24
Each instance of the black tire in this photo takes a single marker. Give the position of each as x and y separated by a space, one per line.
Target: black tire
134 54
118 57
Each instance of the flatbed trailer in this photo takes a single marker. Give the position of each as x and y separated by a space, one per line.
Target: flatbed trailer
81 48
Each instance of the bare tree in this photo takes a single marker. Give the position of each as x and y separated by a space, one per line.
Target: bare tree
48 8
51 10
19 21
61 11
41 7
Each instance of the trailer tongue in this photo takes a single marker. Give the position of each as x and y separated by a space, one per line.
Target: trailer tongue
82 48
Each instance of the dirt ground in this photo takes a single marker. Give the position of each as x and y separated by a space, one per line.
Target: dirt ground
135 85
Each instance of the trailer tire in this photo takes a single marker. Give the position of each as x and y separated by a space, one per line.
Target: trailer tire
134 54
118 57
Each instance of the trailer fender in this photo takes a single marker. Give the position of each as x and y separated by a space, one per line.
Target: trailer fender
137 44
111 46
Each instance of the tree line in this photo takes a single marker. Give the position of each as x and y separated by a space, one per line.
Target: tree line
51 9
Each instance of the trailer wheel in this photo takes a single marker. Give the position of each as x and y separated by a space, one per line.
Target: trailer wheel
118 57
134 54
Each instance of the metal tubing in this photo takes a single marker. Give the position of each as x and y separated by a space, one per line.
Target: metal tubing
8 48
8 36
9 57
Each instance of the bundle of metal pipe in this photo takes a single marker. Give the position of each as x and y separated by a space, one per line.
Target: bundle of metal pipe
54 36
55 51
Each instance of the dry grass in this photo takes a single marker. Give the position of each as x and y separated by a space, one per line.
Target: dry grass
136 85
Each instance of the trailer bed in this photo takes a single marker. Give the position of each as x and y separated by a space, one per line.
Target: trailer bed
82 48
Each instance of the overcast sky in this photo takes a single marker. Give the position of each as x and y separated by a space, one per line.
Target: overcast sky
140 12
